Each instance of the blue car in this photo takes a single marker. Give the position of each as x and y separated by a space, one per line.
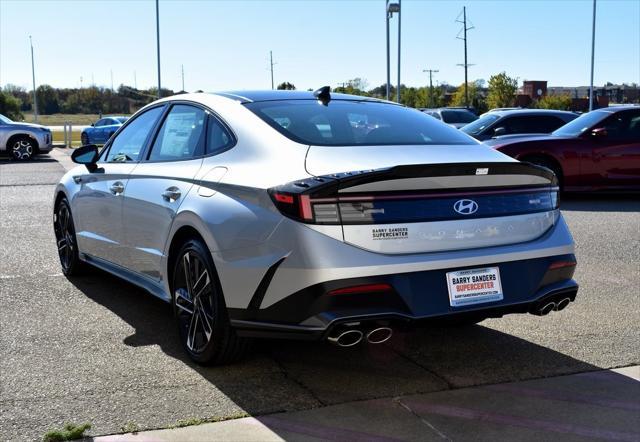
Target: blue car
101 130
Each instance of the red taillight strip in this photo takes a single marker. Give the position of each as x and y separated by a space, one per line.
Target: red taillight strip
561 264
433 195
365 288
305 207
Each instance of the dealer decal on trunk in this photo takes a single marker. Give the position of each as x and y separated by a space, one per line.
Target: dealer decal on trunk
390 233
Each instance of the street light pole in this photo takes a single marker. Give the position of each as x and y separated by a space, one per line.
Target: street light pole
593 49
390 8
33 76
182 71
399 18
158 43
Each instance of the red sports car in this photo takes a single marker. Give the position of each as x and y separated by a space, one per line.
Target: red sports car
599 150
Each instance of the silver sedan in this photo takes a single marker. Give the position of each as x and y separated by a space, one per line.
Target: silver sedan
312 215
22 141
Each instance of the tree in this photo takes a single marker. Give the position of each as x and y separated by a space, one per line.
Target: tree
48 102
502 91
286 86
10 106
558 102
476 98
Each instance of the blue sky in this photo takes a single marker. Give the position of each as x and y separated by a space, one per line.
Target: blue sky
225 45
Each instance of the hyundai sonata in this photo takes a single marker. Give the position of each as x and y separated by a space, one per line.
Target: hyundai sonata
312 215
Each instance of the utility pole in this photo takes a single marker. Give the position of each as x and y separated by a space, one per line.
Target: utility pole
33 77
158 44
431 72
399 20
271 63
466 65
135 80
182 69
593 49
111 72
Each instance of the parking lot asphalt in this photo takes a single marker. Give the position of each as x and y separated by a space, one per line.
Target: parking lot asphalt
95 349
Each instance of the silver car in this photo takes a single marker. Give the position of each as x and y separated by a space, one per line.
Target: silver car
22 141
312 215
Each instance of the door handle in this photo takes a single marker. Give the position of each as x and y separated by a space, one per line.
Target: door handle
171 194
117 188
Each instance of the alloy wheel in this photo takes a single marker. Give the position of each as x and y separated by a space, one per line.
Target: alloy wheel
194 301
22 149
64 236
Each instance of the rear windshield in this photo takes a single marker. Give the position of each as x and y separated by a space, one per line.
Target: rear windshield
353 123
458 116
480 124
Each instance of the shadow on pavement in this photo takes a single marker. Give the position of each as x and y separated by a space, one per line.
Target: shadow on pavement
427 360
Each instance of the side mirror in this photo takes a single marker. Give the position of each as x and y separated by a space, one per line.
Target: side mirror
93 124
599 132
499 131
87 155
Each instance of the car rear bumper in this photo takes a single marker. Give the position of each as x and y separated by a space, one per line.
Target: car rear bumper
416 299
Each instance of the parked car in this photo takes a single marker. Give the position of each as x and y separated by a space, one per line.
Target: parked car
456 117
267 214
599 150
520 121
22 141
101 130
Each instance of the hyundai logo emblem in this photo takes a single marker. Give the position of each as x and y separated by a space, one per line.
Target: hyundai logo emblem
465 207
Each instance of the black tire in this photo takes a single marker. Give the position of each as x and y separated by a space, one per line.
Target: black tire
549 164
200 310
66 240
22 148
84 139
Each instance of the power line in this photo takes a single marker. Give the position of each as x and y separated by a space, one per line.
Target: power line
464 38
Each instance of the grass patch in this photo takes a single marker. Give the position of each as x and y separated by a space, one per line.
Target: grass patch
60 119
58 136
207 420
68 432
130 427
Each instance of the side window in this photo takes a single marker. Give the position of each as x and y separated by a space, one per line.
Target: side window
623 126
181 135
131 140
218 137
99 123
549 124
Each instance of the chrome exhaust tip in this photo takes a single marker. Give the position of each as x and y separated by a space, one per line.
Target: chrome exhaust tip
560 305
379 335
347 338
546 309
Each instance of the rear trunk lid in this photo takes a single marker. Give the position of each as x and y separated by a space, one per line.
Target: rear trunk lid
398 200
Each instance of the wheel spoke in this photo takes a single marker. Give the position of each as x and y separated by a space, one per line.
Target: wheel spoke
204 276
183 302
186 265
191 333
62 243
206 321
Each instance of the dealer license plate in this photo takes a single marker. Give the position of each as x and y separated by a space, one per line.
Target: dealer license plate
474 286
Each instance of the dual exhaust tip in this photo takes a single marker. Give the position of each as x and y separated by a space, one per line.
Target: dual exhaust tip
353 336
546 307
